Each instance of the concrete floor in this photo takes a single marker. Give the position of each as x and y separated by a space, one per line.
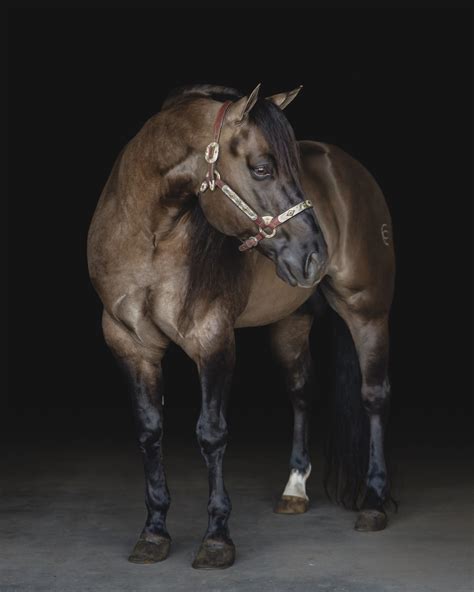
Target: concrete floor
70 514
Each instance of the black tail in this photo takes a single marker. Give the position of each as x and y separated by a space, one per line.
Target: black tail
348 437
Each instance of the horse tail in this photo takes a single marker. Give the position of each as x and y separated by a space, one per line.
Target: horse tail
348 436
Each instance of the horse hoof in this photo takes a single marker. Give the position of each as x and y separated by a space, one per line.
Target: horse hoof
370 521
291 504
214 555
150 551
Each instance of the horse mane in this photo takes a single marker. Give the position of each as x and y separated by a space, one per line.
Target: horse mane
215 264
212 91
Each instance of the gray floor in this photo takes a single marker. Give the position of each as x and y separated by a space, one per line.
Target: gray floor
70 515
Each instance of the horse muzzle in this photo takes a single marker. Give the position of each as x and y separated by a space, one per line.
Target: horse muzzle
306 272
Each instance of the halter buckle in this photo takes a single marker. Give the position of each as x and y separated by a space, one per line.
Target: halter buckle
267 220
212 152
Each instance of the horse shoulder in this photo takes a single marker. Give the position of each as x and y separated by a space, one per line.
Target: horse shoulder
122 239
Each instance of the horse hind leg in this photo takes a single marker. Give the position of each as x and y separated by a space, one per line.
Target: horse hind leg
143 368
359 467
371 341
290 344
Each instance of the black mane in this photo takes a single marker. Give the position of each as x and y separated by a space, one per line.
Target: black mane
212 91
216 268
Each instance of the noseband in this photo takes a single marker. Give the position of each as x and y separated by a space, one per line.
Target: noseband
267 225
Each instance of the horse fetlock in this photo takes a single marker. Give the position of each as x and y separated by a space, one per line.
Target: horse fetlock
159 501
219 506
375 496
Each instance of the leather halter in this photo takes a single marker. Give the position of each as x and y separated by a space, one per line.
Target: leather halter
267 225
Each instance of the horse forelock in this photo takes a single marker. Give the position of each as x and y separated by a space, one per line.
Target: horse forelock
278 133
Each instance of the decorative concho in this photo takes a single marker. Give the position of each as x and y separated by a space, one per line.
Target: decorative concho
212 152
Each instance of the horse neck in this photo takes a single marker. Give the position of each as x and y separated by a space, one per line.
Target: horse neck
164 164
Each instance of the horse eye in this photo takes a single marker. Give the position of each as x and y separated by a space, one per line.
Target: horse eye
262 171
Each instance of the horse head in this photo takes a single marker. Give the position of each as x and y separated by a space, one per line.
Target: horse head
255 161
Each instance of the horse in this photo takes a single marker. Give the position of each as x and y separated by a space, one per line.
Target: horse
210 208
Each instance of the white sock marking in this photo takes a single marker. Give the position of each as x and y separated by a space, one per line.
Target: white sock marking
297 483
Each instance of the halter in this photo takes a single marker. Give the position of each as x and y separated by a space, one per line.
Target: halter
267 225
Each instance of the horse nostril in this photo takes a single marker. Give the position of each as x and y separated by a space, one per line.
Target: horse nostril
311 265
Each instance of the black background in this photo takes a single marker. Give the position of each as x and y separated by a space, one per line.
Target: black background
391 87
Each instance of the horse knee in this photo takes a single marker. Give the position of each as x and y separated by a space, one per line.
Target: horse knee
149 439
375 397
211 435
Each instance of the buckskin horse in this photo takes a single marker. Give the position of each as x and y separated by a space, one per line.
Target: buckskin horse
212 206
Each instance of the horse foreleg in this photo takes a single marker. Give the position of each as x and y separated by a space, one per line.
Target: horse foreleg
215 370
290 344
143 368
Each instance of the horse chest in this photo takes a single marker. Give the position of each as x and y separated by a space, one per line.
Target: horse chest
157 304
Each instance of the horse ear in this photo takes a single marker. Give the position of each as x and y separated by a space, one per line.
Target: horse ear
241 108
282 100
